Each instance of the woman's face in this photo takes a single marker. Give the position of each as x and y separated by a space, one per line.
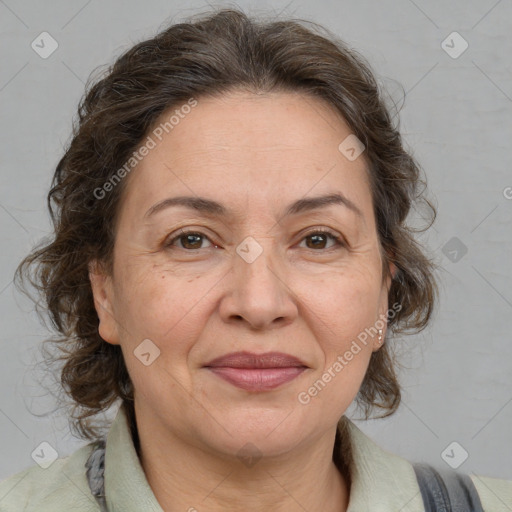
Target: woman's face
252 276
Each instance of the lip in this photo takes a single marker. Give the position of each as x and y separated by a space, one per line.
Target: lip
257 372
251 360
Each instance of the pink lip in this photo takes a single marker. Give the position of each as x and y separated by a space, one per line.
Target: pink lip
257 372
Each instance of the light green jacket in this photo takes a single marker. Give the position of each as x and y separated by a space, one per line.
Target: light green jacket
381 481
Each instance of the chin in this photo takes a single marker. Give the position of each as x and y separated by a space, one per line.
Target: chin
269 433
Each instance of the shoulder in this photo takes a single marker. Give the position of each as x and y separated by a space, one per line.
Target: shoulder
495 493
61 487
381 478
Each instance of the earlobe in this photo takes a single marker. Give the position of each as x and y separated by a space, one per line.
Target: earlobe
101 285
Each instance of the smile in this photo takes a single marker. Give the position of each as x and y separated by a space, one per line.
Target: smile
257 379
257 372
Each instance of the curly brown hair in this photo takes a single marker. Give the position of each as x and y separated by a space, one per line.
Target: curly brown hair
211 55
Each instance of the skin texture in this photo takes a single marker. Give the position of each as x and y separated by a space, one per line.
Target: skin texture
197 299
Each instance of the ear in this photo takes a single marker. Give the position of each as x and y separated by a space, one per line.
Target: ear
386 285
102 290
384 303
391 275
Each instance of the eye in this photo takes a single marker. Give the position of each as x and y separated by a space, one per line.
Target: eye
193 240
188 240
318 239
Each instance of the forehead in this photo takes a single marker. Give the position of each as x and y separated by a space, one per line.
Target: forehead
268 147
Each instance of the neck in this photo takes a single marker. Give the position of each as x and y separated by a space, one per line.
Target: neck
187 477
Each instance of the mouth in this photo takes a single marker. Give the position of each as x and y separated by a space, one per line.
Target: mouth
257 372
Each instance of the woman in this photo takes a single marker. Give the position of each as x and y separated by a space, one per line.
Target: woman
229 262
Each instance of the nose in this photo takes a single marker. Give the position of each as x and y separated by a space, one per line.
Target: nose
259 294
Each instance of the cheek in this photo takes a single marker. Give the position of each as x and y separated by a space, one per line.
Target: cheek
343 304
341 310
163 306
169 311
339 313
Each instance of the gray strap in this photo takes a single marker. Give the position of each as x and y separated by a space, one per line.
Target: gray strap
95 474
446 491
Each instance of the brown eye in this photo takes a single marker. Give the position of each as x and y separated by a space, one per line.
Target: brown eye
189 240
319 239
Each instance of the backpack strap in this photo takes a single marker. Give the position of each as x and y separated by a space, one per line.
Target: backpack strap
95 474
446 491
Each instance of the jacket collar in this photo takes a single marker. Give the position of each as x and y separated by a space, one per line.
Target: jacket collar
126 487
380 481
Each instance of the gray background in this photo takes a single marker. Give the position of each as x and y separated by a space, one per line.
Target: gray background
456 120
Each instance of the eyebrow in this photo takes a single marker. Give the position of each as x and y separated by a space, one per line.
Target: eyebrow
208 206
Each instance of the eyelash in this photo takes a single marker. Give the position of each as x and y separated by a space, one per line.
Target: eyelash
335 237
